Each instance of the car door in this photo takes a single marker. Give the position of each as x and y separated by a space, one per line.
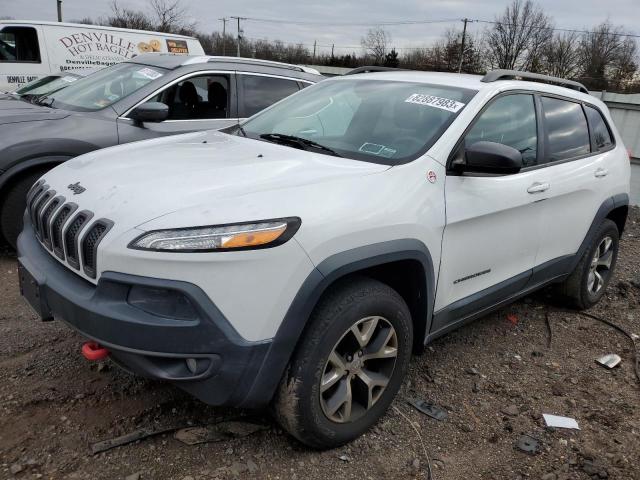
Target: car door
259 91
200 101
579 156
490 239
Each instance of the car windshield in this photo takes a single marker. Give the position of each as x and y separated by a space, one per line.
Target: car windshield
48 84
389 122
105 87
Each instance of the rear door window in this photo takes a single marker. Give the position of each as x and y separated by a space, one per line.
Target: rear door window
566 128
599 131
19 44
510 120
260 92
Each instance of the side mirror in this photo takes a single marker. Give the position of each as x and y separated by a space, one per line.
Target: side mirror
491 157
150 112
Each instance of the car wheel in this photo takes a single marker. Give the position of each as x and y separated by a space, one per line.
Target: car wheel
13 205
588 282
348 366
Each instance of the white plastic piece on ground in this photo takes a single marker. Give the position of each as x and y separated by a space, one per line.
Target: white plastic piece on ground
610 360
560 422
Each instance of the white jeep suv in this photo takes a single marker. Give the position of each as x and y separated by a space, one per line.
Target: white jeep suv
300 259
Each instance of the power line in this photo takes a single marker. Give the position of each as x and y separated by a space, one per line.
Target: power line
349 24
422 22
570 30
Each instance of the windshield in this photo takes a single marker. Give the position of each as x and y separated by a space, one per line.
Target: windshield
105 87
48 84
380 121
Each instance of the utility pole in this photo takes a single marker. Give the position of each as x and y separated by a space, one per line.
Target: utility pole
239 33
59 10
464 37
224 35
332 45
313 60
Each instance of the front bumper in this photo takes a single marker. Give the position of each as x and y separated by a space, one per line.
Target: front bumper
155 346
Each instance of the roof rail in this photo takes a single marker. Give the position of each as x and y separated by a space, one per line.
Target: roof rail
495 75
371 69
250 61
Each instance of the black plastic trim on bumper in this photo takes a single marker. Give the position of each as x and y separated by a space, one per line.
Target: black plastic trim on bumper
149 345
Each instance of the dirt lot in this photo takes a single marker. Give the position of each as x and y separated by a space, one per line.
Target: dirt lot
494 377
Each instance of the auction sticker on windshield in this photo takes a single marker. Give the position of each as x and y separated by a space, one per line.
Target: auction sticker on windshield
149 73
436 102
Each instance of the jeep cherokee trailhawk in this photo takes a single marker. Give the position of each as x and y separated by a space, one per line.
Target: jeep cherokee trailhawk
300 258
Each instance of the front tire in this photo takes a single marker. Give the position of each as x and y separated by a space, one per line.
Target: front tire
14 203
588 282
348 366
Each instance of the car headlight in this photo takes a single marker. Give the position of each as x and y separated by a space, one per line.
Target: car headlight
238 236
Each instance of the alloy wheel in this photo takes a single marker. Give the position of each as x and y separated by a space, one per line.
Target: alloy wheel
600 267
358 370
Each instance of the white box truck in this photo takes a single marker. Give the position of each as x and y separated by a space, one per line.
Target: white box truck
32 49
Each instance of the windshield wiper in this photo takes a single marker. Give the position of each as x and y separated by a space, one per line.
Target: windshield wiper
44 100
302 143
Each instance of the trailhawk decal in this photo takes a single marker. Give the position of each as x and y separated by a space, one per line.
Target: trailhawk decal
474 275
436 102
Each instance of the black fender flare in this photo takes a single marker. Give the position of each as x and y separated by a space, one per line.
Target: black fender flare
605 209
325 274
25 165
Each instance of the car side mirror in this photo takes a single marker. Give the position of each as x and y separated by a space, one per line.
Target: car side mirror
492 157
150 112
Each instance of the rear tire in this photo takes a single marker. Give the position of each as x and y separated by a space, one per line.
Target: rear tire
588 282
14 203
348 366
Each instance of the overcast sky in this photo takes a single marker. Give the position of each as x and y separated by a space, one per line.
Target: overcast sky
576 14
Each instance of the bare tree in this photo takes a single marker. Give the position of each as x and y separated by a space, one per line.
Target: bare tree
561 56
517 38
608 58
170 16
375 44
164 16
123 17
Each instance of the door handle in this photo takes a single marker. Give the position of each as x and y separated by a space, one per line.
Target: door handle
538 187
601 172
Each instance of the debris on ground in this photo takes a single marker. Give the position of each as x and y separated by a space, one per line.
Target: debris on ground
513 319
129 438
556 421
511 410
528 444
429 408
610 360
217 432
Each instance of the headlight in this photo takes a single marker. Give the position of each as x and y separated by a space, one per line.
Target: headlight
239 236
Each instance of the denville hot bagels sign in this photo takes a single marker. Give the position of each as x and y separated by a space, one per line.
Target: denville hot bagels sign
78 44
94 42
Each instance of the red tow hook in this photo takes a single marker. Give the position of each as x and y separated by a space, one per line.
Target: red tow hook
93 351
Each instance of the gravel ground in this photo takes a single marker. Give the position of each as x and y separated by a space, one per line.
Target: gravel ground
495 378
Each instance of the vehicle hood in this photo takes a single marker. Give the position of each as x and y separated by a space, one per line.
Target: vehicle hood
14 111
138 182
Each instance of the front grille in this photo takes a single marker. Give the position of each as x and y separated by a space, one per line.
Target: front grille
44 220
34 202
56 228
38 208
59 230
71 237
90 243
